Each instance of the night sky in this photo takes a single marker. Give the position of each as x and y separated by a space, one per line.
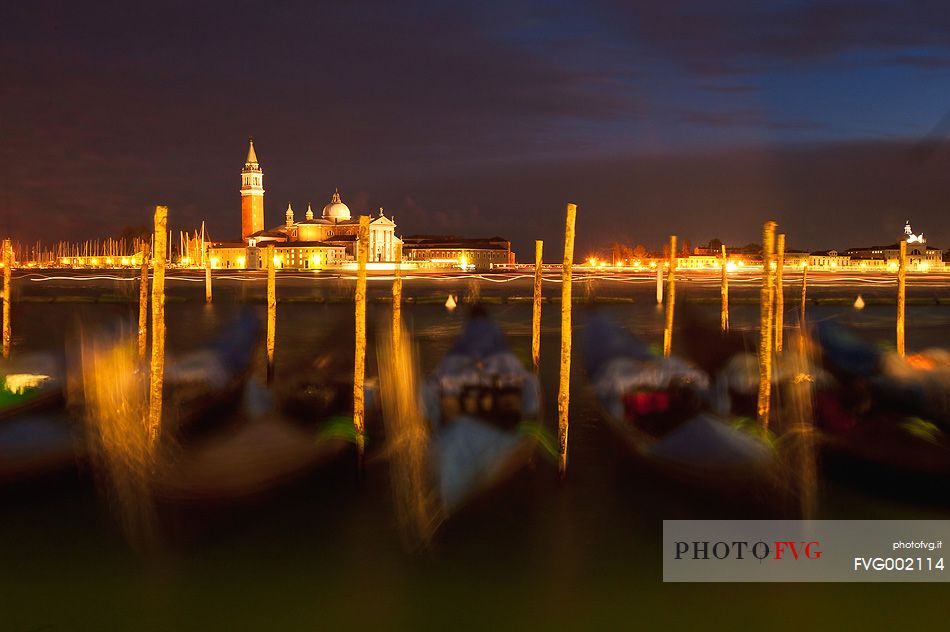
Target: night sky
702 119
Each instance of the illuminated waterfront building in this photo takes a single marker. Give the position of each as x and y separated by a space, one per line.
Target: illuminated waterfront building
920 256
828 259
313 242
441 251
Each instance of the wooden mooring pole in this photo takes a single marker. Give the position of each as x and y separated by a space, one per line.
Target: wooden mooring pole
804 293
157 366
207 278
765 325
670 300
143 302
564 384
536 313
271 310
779 292
7 283
724 292
359 365
397 302
901 296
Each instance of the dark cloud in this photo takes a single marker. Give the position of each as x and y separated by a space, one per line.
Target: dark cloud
741 37
728 88
748 117
931 62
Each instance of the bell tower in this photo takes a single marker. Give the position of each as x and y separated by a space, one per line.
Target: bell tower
252 194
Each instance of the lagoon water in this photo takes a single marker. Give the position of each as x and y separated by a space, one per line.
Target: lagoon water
326 551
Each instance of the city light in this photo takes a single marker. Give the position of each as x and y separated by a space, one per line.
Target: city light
731 266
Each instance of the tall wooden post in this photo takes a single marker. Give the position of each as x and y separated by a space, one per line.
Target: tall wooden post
804 292
564 385
143 303
724 291
157 368
207 261
359 366
670 300
271 310
397 301
536 313
7 282
901 296
779 292
765 325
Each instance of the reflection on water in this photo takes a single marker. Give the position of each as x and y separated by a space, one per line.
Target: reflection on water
115 391
415 499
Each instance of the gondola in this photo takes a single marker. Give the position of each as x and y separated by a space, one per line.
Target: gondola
660 409
479 404
266 451
37 445
201 388
885 418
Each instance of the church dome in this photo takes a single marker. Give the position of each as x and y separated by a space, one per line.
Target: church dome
336 209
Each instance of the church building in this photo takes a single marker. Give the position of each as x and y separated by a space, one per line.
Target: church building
310 243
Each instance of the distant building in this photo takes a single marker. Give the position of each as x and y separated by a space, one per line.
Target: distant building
454 251
828 259
796 258
714 248
920 256
314 242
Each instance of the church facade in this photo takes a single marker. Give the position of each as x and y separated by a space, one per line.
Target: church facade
309 243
